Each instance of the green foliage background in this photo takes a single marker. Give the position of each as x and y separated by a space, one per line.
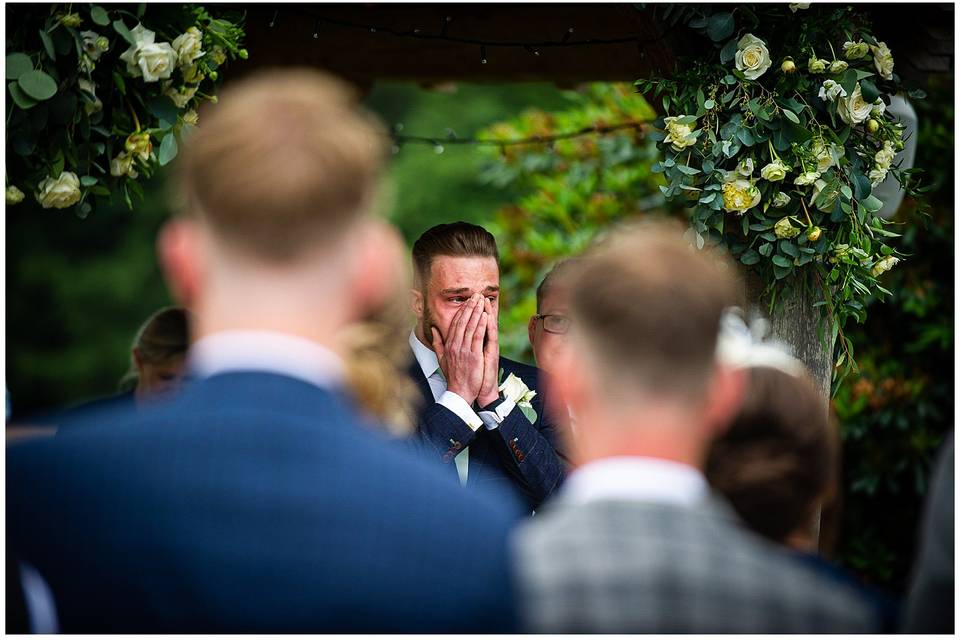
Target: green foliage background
78 289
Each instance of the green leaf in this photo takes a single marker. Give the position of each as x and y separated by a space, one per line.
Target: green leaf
168 149
121 85
709 104
871 203
766 249
100 190
917 94
750 257
88 181
846 191
163 108
17 65
789 248
48 45
861 186
791 116
21 99
689 171
781 272
780 261
38 85
869 91
121 28
720 26
99 16
727 54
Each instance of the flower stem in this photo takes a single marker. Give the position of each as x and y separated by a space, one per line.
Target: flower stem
805 212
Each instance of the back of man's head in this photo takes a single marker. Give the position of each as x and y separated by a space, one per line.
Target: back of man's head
456 239
648 307
282 164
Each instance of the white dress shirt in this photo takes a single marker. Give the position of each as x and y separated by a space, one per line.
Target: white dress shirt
638 479
430 366
268 351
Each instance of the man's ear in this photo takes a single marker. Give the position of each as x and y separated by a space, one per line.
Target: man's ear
179 248
532 331
724 398
417 302
378 267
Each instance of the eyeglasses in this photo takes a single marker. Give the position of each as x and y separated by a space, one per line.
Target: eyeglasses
554 323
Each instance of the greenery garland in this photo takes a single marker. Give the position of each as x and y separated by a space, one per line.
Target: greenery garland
775 138
97 97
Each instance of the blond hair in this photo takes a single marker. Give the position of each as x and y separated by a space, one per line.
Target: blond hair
285 161
649 306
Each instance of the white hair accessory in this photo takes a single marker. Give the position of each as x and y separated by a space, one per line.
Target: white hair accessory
741 345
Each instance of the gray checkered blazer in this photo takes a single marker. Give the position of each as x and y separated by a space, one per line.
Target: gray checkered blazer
614 566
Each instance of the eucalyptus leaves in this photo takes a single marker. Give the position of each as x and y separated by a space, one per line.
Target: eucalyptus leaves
819 133
100 96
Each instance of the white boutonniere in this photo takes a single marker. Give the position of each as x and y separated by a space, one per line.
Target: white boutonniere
513 388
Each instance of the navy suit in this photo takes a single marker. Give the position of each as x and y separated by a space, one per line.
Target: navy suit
523 456
254 502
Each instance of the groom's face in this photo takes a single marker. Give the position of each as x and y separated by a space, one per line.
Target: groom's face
453 279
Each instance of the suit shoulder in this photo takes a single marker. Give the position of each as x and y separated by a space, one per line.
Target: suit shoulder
520 369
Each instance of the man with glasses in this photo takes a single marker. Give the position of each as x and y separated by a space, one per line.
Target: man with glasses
547 329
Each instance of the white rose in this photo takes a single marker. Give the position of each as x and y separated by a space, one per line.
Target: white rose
831 90
513 388
188 46
816 65
152 61
180 98
883 60
745 168
854 109
60 193
799 5
774 171
90 46
14 195
884 157
781 200
122 165
855 50
878 108
783 229
680 135
752 56
808 177
826 156
190 117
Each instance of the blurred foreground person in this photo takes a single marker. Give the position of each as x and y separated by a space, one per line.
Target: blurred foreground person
257 500
930 602
636 543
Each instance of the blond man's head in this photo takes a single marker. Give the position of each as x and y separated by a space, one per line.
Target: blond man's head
282 164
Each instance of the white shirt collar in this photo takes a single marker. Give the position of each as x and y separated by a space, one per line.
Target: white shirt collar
269 351
426 358
638 479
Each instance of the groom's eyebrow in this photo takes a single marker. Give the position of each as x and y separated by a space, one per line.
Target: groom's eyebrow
447 292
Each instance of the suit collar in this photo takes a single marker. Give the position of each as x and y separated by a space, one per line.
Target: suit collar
425 356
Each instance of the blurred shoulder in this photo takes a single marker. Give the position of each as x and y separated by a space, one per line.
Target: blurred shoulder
528 373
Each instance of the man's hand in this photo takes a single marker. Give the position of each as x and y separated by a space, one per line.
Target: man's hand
489 390
462 355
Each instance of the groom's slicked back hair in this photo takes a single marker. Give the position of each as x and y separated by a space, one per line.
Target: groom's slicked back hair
457 239
283 163
649 307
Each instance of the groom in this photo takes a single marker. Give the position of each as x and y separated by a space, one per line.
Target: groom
483 416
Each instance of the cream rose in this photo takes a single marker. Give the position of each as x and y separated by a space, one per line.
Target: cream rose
883 60
831 90
816 65
838 66
139 145
808 177
884 157
122 165
190 117
752 56
774 172
745 168
854 109
781 200
91 44
784 229
59 193
680 135
14 195
826 155
147 59
799 5
180 98
188 46
739 194
855 50
883 265
877 176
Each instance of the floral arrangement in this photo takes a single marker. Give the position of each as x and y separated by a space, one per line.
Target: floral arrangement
98 96
775 140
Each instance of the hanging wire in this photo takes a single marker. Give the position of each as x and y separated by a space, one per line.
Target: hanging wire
452 138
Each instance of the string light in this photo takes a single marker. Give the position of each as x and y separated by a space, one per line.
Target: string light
483 54
316 29
567 35
273 21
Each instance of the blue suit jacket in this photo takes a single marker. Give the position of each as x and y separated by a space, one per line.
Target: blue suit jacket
523 456
254 502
